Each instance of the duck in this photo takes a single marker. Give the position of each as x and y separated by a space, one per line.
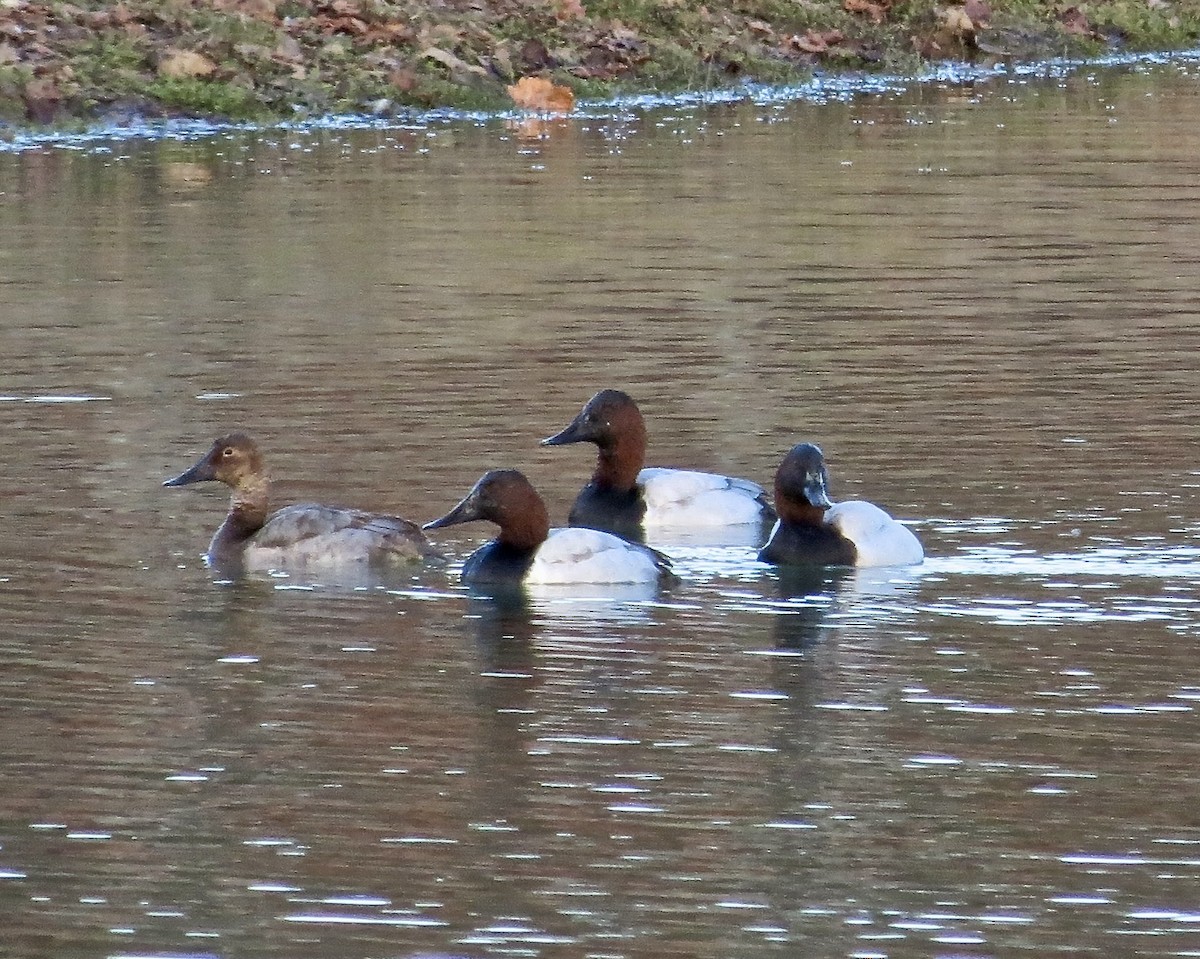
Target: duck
626 498
529 552
812 529
298 536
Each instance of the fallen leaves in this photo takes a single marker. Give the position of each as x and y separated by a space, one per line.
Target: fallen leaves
814 41
182 64
540 95
876 11
80 56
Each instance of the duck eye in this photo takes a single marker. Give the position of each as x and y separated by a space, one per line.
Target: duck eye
228 451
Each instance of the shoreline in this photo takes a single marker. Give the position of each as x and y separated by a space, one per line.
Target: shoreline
69 65
839 87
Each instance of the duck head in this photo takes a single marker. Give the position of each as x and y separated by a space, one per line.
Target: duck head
233 460
508 499
802 482
607 418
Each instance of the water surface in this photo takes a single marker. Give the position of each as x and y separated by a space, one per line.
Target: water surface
979 301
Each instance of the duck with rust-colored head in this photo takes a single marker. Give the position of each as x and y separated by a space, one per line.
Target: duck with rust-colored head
813 530
627 498
300 536
528 551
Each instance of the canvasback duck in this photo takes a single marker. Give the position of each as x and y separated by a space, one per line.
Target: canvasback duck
624 498
814 530
528 551
303 535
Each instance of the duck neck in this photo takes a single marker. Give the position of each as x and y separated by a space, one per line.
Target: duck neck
247 515
525 529
620 461
799 514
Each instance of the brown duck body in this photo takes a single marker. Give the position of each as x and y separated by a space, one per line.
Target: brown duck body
299 536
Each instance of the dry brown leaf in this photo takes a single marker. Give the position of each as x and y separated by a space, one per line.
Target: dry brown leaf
569 10
179 64
815 41
541 95
876 11
956 23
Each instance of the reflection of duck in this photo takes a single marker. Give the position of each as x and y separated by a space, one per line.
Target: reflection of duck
815 531
810 590
301 536
529 552
624 498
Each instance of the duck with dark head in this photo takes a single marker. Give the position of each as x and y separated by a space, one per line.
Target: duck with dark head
626 498
529 552
813 530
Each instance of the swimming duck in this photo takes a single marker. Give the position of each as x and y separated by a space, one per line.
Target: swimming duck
814 530
306 534
529 551
624 498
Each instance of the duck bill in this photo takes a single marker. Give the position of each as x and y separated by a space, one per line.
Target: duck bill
465 512
815 492
198 473
576 432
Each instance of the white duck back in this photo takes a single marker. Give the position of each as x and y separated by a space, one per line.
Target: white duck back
576 555
879 539
688 498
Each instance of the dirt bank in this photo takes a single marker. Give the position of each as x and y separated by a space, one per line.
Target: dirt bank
67 62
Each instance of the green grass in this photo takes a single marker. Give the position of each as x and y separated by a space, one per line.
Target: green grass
205 97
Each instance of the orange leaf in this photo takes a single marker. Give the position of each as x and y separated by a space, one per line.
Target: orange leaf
876 11
541 95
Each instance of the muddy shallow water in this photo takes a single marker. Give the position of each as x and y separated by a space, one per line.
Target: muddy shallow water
980 302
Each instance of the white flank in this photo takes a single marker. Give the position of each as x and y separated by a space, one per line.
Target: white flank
879 539
687 498
576 555
345 547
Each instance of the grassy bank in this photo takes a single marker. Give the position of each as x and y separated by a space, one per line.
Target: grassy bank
267 58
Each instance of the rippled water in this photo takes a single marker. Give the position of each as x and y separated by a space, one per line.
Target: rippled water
980 301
